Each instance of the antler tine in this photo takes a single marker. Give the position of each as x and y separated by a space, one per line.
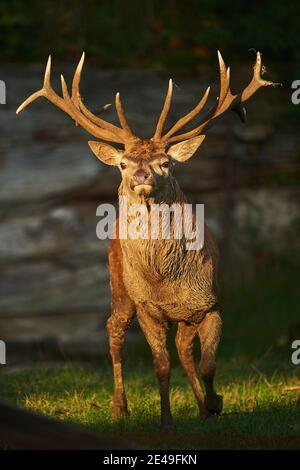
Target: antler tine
76 81
44 91
228 97
224 79
73 107
235 102
257 80
224 99
164 112
225 94
256 83
121 116
77 100
81 119
227 100
188 117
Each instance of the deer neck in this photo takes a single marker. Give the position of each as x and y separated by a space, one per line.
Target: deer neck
158 258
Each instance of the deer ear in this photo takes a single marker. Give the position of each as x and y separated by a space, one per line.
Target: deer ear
106 153
184 150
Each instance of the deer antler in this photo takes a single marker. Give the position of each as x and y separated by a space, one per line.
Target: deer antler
103 130
225 101
75 108
164 114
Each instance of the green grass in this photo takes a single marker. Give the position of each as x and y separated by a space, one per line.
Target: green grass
258 412
254 371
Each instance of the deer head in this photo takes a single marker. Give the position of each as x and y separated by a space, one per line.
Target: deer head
146 165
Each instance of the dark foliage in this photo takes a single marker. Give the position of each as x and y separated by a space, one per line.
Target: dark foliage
150 32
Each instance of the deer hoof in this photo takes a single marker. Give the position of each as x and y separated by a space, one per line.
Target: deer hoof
120 411
214 404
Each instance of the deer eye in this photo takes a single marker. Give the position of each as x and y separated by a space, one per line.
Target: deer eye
123 165
165 164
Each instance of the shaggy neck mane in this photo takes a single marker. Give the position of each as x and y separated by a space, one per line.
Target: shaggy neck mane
160 258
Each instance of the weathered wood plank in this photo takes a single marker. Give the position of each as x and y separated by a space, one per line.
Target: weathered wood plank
59 232
57 285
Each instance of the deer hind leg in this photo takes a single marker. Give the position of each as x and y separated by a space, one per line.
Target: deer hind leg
209 332
122 312
186 333
156 335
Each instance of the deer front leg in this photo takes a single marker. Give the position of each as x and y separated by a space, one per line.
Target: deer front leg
116 327
209 332
123 310
184 342
156 335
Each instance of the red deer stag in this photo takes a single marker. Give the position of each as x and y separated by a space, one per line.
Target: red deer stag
159 280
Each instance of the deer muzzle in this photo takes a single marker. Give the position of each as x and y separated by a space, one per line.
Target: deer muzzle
142 176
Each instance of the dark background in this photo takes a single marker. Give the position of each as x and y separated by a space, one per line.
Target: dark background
149 33
54 297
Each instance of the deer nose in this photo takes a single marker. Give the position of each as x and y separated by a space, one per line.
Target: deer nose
141 176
